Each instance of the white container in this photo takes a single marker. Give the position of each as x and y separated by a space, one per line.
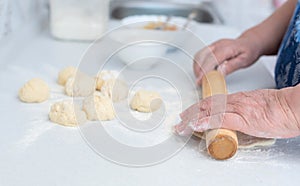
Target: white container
142 56
139 44
78 19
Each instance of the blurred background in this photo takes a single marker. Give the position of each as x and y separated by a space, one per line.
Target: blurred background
15 15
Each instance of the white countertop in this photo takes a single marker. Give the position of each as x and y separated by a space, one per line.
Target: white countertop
34 151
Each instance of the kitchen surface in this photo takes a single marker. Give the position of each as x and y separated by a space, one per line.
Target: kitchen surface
38 39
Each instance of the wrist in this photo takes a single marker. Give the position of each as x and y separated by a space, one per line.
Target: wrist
289 98
252 39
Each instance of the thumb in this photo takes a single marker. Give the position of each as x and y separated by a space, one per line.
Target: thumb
231 65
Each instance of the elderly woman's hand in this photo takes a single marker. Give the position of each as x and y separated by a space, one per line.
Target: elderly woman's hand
227 55
261 113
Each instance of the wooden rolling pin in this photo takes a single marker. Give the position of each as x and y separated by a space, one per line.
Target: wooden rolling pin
221 144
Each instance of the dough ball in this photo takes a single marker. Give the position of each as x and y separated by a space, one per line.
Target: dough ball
99 83
115 89
80 85
146 101
67 113
101 77
69 86
107 74
34 91
65 74
98 107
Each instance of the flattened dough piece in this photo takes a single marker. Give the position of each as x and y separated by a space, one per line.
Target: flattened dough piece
98 107
67 113
34 91
246 141
146 101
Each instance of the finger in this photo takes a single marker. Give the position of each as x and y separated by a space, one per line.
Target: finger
180 127
197 110
229 121
183 129
195 113
225 51
218 53
231 65
192 109
203 59
200 66
199 80
186 132
199 59
209 63
188 116
206 107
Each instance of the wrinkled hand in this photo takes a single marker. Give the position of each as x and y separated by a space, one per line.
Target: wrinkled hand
260 113
226 55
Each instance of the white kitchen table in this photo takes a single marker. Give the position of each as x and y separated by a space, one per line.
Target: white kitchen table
34 151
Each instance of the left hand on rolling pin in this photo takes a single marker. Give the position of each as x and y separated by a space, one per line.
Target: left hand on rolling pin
260 113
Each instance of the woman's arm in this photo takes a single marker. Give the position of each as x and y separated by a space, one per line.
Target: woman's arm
230 55
269 34
265 113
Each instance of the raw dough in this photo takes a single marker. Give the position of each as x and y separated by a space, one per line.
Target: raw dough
34 91
67 113
80 85
107 74
102 77
246 141
69 86
99 83
98 107
146 101
115 89
65 74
